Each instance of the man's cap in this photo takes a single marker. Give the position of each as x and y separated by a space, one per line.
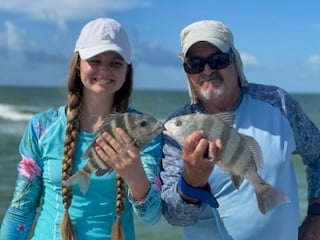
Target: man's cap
210 31
217 34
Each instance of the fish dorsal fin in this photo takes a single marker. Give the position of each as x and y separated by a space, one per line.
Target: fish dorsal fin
226 117
108 119
254 149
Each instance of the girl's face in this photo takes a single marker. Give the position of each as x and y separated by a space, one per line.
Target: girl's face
104 73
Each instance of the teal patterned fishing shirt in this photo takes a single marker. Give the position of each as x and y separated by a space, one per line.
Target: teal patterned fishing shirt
38 187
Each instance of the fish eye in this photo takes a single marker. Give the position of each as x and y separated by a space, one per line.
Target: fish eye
178 123
143 123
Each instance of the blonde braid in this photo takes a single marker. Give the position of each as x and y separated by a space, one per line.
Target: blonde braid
121 103
72 130
67 229
117 231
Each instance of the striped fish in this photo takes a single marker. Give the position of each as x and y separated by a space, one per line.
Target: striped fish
241 157
141 127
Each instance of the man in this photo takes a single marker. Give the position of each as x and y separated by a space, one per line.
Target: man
198 195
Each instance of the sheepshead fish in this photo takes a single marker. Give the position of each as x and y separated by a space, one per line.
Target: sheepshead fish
241 157
141 127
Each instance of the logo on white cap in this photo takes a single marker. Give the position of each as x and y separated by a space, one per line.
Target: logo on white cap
106 37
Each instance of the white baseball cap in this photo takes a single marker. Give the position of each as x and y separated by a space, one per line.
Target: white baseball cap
101 35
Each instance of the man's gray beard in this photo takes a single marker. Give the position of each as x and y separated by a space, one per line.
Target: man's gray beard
212 94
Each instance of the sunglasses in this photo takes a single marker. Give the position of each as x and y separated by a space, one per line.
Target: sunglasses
219 60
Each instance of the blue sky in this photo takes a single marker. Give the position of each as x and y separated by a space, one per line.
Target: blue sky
279 41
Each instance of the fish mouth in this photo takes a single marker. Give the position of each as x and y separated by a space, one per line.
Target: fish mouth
158 128
165 131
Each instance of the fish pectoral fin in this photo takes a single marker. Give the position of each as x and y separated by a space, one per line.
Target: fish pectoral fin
236 180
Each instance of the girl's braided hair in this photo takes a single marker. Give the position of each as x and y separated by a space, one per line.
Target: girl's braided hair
75 93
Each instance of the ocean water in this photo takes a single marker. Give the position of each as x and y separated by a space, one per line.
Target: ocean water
18 104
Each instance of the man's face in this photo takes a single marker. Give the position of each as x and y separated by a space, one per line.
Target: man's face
212 85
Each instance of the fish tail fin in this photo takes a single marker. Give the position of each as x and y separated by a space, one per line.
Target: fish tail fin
269 197
80 178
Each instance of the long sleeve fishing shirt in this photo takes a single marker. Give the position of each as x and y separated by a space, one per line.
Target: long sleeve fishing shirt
38 187
277 122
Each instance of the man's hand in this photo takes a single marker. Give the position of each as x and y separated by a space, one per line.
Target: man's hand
200 155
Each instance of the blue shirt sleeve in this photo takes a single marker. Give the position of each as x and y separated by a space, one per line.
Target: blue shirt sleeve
307 137
306 134
176 211
149 211
21 213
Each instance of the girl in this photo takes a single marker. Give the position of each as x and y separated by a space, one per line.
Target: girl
99 84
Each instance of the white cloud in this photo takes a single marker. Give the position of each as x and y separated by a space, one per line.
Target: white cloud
314 63
314 60
59 11
14 39
249 60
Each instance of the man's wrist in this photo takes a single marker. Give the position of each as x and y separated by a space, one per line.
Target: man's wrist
188 199
196 194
